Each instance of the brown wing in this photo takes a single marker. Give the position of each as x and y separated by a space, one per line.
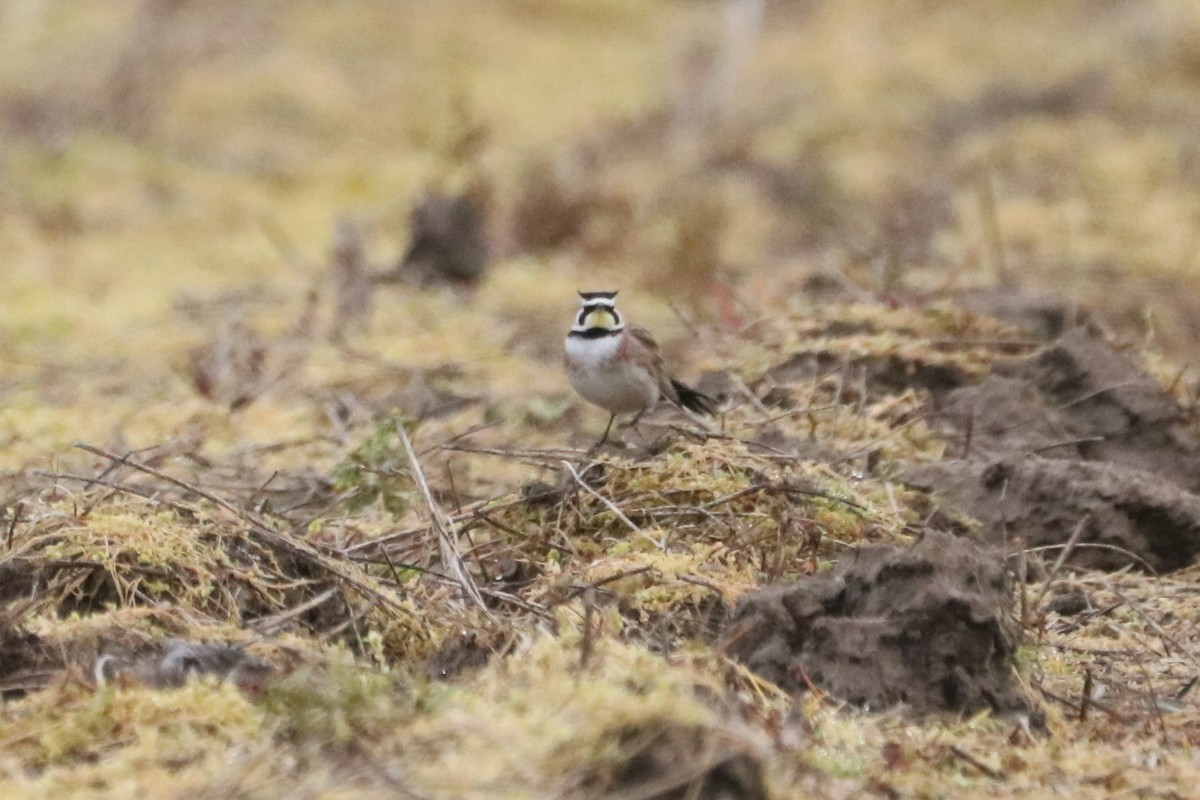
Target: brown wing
645 351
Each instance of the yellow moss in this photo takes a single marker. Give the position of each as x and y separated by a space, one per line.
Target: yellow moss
151 727
538 721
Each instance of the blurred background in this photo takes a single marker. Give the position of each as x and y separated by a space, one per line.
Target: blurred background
258 221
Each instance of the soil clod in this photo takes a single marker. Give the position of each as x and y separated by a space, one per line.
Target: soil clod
926 627
1129 516
449 241
682 763
1076 434
1079 399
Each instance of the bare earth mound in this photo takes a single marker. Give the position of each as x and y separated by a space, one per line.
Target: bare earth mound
1042 501
926 626
1076 437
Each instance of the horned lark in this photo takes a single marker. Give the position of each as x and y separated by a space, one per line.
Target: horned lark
621 369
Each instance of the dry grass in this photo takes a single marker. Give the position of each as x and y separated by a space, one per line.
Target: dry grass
170 178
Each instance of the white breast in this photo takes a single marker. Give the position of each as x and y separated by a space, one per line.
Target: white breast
619 386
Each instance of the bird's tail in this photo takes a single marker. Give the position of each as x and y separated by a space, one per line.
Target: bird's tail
692 400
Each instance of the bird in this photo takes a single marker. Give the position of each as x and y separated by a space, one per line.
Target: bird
620 368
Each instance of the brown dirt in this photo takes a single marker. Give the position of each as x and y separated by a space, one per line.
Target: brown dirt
1042 315
1074 443
1041 501
682 763
926 626
449 242
25 662
1078 434
1077 399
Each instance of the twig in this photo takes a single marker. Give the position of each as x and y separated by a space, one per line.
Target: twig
610 504
506 597
586 643
95 566
351 621
1001 344
1097 546
629 573
1162 723
392 568
789 413
1066 443
1058 563
692 330
712 587
262 488
969 433
479 511
257 527
12 524
441 526
1112 714
853 454
683 511
782 488
1163 635
471 431
273 623
993 234
991 772
108 484
285 247
751 398
171 479
539 458
1085 700
1022 579
1083 398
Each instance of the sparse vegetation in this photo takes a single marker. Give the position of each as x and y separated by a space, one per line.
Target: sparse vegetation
284 292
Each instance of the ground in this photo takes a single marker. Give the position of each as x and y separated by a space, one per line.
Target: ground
297 500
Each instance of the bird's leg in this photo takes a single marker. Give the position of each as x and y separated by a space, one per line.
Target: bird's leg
607 428
633 422
596 447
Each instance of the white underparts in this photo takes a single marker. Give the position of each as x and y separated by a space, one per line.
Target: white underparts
592 353
617 385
